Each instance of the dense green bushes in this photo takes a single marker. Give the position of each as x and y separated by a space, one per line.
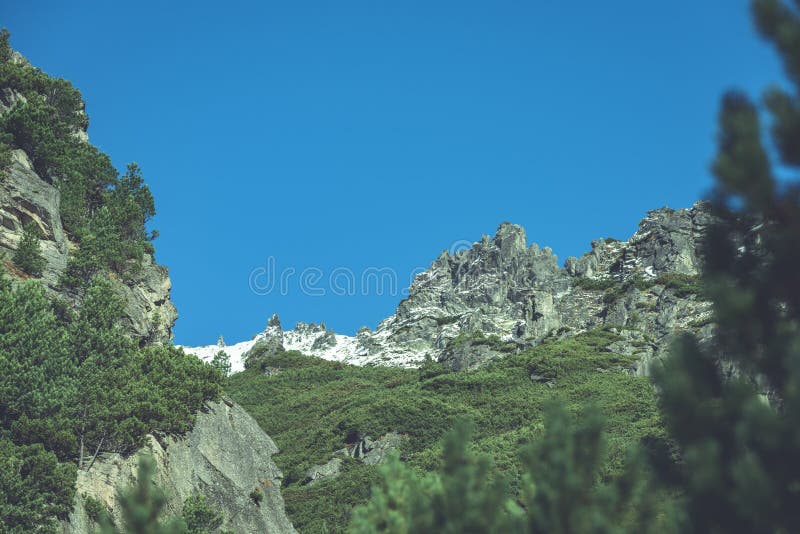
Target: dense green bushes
73 384
559 491
34 488
104 212
314 407
683 285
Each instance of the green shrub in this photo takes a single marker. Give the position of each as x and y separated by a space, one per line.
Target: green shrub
221 362
35 489
558 492
6 158
684 285
28 255
199 517
326 505
594 284
332 404
94 508
257 496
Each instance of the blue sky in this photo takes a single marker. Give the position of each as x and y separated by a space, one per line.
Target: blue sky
343 136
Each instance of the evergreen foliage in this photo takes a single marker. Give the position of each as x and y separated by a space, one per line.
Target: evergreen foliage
104 212
199 517
558 493
5 155
741 456
222 362
465 497
76 385
332 404
142 507
34 489
562 491
28 255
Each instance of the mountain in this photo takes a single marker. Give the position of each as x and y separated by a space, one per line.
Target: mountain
501 296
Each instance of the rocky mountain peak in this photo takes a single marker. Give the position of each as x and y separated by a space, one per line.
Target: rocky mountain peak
500 289
510 239
274 322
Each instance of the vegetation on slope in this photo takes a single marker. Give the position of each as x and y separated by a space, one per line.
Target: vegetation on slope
74 385
314 407
103 211
738 457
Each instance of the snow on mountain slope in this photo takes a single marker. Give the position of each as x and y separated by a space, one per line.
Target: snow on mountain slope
314 340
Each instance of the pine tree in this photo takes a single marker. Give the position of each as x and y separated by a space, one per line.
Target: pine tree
222 362
142 507
199 517
560 493
741 455
28 256
35 489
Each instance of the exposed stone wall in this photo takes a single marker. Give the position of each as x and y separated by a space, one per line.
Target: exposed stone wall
225 457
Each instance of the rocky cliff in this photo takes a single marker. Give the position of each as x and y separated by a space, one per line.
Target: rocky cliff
502 295
225 457
27 198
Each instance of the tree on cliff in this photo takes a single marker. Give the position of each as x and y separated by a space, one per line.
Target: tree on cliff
28 256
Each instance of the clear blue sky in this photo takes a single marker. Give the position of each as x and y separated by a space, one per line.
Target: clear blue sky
376 134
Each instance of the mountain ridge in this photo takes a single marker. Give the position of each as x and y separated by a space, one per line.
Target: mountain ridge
503 288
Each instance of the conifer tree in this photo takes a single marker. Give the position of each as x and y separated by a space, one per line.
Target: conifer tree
741 455
28 256
142 507
222 362
199 517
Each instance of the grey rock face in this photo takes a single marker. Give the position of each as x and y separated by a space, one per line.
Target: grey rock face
502 295
519 293
26 198
331 469
270 344
224 457
367 450
375 452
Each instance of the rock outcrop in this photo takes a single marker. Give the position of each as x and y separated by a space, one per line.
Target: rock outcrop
503 295
366 450
26 198
225 457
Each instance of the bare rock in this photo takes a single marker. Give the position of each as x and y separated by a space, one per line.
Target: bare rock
224 457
